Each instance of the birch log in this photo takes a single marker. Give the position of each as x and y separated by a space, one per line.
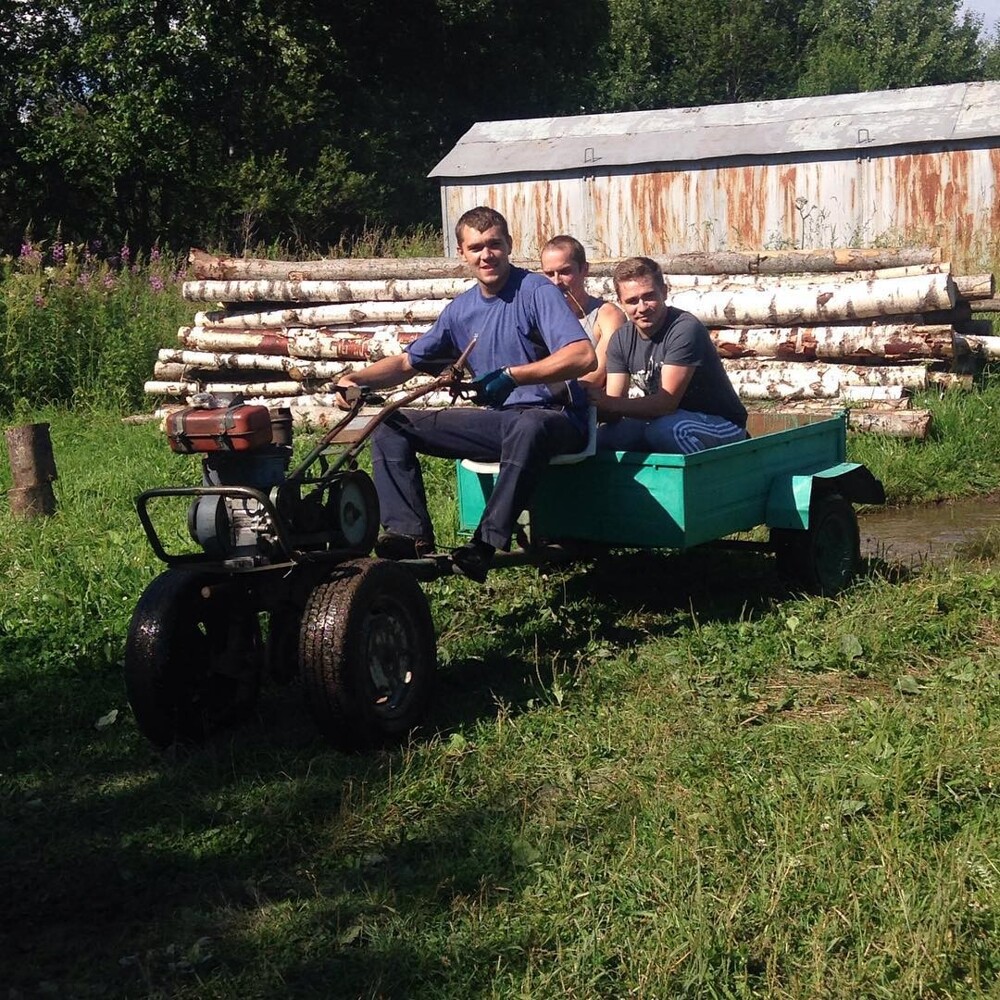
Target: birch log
187 387
983 347
209 267
181 365
841 342
988 305
892 423
778 380
819 303
360 312
605 286
387 290
975 286
253 341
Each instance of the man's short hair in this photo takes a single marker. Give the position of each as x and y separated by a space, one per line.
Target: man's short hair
480 218
634 268
570 245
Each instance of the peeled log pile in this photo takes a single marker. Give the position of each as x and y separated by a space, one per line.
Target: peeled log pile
817 327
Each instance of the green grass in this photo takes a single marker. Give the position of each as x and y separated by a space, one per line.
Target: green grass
659 777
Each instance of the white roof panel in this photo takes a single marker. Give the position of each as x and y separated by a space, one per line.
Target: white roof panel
954 112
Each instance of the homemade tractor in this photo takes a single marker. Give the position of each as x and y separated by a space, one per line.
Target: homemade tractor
282 580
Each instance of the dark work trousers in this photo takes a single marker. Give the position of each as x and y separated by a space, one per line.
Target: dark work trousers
521 438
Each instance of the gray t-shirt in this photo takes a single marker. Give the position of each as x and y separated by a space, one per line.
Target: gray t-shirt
681 340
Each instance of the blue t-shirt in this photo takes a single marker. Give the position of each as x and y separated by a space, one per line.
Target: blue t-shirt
527 321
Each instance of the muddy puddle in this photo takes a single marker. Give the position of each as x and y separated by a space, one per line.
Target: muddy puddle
933 533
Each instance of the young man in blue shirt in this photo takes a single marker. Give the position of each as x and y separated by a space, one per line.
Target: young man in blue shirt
529 350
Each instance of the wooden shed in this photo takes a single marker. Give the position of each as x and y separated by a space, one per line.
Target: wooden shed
921 164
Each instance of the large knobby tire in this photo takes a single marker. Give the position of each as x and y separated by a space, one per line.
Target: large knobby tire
367 654
191 660
824 558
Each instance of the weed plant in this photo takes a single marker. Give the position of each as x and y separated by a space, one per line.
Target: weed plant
656 776
81 330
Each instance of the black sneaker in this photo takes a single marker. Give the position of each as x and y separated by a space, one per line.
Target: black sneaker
473 560
395 546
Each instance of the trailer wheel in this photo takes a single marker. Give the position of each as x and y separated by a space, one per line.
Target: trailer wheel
824 558
354 505
191 664
367 654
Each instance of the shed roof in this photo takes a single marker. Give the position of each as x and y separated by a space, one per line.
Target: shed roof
956 112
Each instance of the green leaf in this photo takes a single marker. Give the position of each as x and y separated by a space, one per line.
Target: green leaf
850 646
908 685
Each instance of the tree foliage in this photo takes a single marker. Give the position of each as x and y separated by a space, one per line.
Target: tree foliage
236 124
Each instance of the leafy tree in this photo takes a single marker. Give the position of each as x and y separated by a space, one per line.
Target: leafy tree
859 45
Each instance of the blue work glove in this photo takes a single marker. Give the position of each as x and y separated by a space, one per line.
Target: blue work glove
493 388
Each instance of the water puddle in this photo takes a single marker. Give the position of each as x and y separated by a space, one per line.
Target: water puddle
935 533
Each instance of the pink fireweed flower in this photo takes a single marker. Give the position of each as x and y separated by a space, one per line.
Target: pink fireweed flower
125 253
40 301
108 281
58 253
156 283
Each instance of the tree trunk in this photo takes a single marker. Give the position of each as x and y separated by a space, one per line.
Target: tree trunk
388 290
975 286
176 366
982 347
987 306
32 468
811 304
604 286
209 267
419 310
899 423
778 380
841 342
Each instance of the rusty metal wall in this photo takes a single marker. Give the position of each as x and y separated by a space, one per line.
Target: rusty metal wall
949 197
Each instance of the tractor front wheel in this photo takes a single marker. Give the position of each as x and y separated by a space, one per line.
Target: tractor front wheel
367 654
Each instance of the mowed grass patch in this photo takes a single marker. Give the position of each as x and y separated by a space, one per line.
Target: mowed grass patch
659 775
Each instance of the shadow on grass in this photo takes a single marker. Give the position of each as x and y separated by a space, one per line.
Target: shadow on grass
252 861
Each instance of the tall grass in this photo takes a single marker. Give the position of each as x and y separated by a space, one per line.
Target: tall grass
83 330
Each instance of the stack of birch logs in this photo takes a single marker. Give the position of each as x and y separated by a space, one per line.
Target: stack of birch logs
817 329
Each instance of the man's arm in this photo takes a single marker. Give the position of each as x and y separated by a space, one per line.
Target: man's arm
614 402
570 361
609 318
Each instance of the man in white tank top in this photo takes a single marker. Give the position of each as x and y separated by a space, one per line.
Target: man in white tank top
564 263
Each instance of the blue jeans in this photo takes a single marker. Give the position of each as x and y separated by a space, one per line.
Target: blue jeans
521 438
682 432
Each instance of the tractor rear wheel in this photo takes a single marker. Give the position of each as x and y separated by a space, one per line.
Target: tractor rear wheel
192 663
367 654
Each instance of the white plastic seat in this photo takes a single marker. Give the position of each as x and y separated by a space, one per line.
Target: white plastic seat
570 458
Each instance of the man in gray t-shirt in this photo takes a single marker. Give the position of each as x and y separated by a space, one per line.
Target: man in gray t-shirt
687 402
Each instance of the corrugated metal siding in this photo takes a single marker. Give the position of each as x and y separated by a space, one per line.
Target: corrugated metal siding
945 196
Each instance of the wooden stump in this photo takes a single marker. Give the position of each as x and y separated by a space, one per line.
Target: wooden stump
33 467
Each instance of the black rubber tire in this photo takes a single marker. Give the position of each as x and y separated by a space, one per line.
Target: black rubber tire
824 558
367 654
354 506
186 677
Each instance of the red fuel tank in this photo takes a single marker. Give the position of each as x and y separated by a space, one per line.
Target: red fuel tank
235 428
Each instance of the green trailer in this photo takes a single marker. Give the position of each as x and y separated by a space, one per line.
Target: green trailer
791 476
